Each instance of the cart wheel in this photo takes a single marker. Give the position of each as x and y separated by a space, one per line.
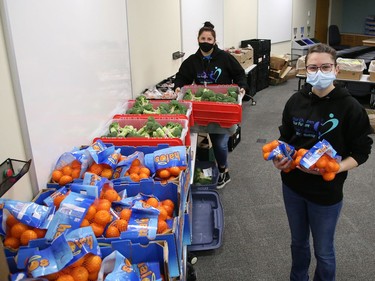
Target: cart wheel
191 274
192 258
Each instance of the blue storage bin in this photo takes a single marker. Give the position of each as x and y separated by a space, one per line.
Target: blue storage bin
215 175
207 221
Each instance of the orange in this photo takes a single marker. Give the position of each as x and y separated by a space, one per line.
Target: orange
332 166
329 176
80 273
164 174
145 170
169 209
111 195
136 162
297 160
174 171
84 223
125 214
40 232
102 217
112 231
122 225
143 176
97 229
96 169
75 164
168 202
265 155
58 199
134 177
322 162
17 229
163 213
93 276
27 236
65 180
67 170
92 263
65 277
134 169
78 262
11 220
91 211
103 204
107 173
12 242
302 151
56 175
76 173
152 201
51 277
267 148
162 226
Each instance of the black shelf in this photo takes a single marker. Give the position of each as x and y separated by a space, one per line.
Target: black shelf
11 170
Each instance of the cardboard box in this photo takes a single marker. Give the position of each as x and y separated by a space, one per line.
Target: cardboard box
4 269
350 75
371 116
278 63
241 54
371 76
247 63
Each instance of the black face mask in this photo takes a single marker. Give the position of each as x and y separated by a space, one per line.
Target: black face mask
206 47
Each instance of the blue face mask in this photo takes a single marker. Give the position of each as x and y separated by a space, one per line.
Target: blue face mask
320 80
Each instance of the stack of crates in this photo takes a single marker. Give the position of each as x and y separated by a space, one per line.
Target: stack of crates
262 56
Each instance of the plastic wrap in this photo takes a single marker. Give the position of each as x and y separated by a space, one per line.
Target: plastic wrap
357 65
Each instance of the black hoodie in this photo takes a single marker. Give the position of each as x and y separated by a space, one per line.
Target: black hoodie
220 68
338 118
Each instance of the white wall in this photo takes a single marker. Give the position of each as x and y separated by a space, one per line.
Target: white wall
154 34
11 138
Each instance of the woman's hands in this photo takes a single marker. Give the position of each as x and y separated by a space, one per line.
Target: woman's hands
282 164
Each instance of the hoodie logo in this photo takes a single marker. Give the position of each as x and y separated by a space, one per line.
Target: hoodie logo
331 123
216 74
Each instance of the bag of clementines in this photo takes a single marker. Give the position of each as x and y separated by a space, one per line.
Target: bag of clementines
322 157
75 255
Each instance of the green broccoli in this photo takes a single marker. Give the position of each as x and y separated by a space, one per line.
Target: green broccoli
135 110
114 129
159 133
125 131
207 95
188 95
150 126
230 99
177 108
199 92
141 100
163 108
200 178
173 130
149 109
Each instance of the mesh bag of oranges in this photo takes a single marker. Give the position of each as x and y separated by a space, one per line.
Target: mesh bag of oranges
322 157
73 256
277 149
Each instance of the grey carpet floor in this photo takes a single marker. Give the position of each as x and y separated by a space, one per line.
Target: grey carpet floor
256 239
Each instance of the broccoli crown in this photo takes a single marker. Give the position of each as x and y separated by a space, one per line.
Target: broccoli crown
141 100
177 108
188 95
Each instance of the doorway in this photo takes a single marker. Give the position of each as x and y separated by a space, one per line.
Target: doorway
321 20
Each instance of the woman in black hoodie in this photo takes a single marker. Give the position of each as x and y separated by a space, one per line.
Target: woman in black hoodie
210 65
320 111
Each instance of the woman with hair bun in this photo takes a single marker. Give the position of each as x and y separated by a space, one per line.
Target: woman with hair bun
211 65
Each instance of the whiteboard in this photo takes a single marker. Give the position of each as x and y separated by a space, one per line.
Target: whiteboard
275 20
193 15
72 61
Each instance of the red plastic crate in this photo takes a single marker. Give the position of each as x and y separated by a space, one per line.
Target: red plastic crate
155 103
205 112
138 121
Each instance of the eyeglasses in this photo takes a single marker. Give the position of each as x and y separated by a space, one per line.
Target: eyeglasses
325 68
